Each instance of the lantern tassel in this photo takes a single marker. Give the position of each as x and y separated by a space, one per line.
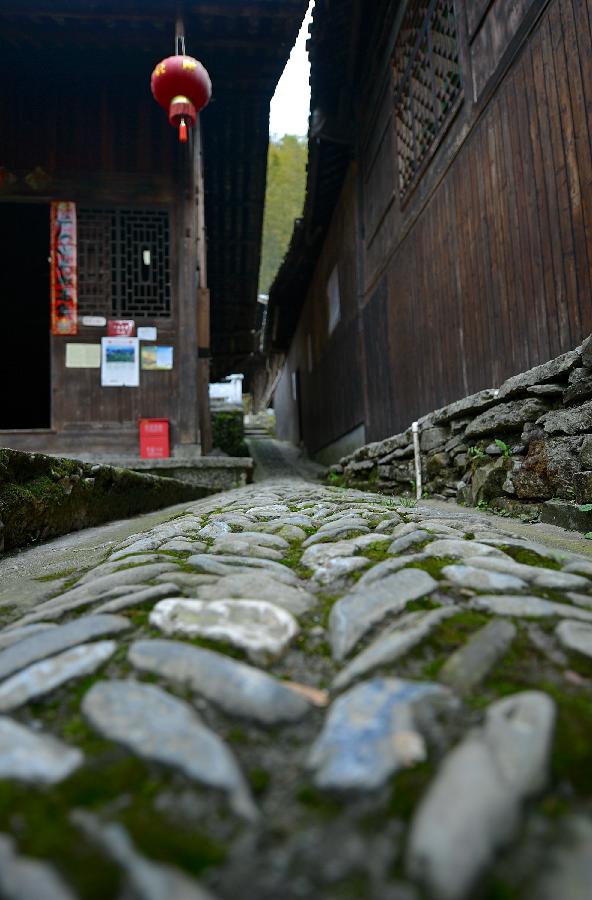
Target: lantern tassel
183 131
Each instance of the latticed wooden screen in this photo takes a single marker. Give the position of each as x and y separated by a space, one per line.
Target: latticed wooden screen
123 263
427 82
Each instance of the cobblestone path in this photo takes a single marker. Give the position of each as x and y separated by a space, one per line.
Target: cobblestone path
293 691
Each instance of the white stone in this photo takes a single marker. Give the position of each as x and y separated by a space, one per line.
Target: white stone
262 629
7 638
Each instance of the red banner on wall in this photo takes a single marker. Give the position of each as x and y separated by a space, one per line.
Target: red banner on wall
64 276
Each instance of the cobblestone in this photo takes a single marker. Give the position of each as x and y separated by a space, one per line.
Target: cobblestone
413 729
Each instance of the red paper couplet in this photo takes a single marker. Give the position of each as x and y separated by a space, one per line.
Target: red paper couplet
64 276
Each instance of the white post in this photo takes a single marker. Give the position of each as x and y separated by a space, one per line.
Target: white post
418 486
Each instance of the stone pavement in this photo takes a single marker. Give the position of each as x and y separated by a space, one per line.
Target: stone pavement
297 691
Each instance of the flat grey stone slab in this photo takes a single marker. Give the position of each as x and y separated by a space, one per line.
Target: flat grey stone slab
49 674
262 629
530 607
53 640
579 567
7 638
482 580
406 541
336 532
575 636
23 878
146 595
460 549
259 586
31 756
567 870
122 565
473 806
353 615
148 880
388 567
96 590
235 687
235 546
339 568
229 563
158 726
407 633
369 734
469 665
319 554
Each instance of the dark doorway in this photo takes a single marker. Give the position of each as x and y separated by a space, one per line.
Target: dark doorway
24 299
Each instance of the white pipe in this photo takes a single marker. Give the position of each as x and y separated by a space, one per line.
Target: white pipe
418 486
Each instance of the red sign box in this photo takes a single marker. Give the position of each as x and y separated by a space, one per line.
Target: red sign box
64 273
154 439
121 328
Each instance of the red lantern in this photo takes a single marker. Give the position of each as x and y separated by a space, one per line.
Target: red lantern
182 85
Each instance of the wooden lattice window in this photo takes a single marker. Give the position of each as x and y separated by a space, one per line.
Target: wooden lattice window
124 263
428 84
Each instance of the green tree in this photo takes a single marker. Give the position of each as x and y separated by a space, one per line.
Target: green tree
284 200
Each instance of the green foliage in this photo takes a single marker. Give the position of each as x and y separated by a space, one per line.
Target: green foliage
503 447
286 183
585 507
476 453
228 432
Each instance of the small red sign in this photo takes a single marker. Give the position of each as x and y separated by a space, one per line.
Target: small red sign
121 328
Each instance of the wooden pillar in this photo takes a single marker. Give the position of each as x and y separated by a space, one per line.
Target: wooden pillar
203 307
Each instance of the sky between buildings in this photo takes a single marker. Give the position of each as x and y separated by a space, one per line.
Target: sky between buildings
290 104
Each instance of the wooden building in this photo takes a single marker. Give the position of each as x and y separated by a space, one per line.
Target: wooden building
446 240
161 227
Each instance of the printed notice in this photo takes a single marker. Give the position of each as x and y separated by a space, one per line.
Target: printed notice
83 356
147 333
160 358
120 362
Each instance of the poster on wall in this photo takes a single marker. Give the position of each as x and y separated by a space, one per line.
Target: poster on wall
160 358
63 276
83 356
120 362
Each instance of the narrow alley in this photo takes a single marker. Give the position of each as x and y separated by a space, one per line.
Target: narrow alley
313 691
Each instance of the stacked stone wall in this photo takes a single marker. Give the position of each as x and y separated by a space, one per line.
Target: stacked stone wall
524 449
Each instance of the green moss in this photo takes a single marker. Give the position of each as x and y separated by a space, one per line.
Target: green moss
292 559
324 804
407 788
259 780
57 576
433 565
376 552
449 636
529 557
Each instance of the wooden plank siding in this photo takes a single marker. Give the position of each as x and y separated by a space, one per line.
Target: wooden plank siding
486 270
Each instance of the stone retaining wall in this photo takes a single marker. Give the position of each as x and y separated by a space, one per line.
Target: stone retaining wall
43 496
525 448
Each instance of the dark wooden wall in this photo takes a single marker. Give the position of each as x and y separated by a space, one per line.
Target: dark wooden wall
88 129
485 270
